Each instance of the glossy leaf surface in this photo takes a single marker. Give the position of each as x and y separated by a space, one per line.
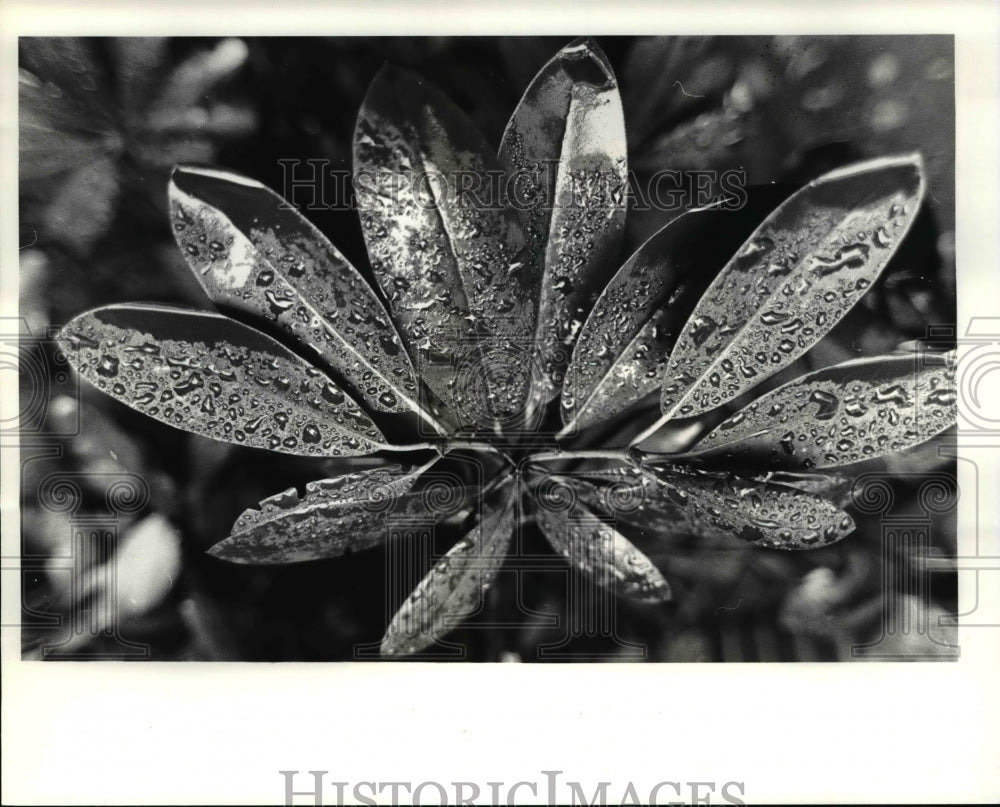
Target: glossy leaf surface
210 375
447 256
621 352
564 151
850 412
455 587
252 252
593 545
673 499
344 514
793 279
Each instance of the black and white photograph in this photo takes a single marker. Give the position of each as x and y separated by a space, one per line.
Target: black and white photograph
445 354
544 351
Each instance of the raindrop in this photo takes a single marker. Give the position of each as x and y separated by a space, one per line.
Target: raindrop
108 366
701 328
192 382
852 256
894 394
774 317
882 238
827 404
855 407
753 251
942 397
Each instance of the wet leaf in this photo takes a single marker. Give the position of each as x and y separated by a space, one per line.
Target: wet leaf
254 253
593 545
455 587
444 249
207 374
835 488
842 414
565 145
795 277
674 500
621 353
344 514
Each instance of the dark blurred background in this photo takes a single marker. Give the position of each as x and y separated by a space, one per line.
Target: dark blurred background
102 121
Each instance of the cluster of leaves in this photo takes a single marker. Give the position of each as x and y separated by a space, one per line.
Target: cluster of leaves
492 324
102 121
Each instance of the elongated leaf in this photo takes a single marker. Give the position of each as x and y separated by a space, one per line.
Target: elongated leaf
207 374
795 277
336 516
594 546
373 487
676 500
842 414
443 247
253 252
621 353
454 588
564 150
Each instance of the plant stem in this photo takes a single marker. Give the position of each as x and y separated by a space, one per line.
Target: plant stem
652 429
614 455
431 420
486 448
449 447
410 447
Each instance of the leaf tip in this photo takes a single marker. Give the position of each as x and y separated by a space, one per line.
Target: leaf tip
224 551
585 63
397 644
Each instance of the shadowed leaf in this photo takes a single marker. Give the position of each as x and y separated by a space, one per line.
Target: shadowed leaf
207 374
344 514
447 256
675 500
842 414
565 145
794 278
593 545
455 587
252 252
